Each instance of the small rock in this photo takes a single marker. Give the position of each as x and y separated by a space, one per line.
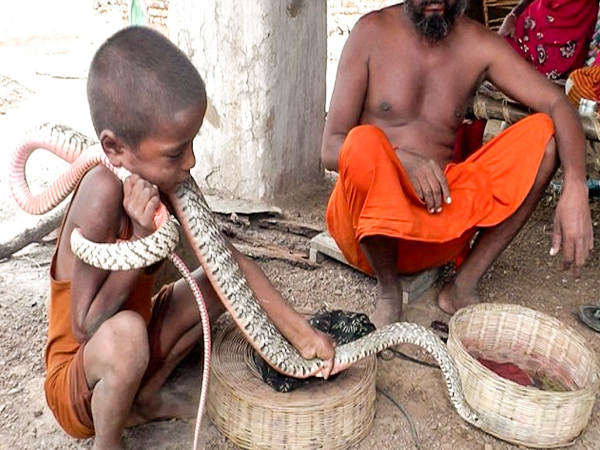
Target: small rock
488 447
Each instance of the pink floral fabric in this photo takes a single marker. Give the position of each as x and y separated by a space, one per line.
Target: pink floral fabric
554 35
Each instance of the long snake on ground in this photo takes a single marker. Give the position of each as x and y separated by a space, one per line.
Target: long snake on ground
216 259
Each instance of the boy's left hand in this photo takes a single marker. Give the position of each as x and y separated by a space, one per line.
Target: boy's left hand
140 201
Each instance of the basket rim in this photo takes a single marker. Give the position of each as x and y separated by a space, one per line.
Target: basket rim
285 399
592 386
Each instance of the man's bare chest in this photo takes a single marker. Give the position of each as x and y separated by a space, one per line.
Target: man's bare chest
404 90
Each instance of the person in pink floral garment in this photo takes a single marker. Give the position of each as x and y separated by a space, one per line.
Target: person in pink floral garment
553 35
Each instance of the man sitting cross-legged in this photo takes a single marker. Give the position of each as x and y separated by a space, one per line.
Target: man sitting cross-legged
400 204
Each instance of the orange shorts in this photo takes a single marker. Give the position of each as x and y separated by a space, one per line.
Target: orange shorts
67 393
373 195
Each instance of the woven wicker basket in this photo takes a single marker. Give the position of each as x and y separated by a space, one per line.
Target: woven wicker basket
536 343
325 415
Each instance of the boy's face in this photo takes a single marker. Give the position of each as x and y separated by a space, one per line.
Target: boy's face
166 157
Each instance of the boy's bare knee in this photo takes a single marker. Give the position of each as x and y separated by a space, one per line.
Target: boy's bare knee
121 345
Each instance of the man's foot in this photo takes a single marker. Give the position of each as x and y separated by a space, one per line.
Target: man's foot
388 308
451 298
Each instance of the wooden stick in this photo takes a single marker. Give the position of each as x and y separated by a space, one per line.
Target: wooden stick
484 107
278 253
32 234
290 226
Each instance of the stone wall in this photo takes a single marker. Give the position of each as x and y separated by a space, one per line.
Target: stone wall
357 6
158 14
157 11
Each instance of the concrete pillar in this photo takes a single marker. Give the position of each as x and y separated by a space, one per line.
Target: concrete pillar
264 64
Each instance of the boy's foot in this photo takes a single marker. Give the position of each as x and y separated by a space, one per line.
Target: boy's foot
451 298
98 445
167 404
590 315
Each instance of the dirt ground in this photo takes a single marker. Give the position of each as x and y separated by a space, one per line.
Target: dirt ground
35 88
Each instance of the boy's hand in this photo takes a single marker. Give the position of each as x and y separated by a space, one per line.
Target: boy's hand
140 200
320 346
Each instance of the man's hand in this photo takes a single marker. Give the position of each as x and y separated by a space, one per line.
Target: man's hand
321 346
140 200
427 179
573 228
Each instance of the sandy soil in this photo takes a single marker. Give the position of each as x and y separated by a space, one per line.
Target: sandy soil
45 62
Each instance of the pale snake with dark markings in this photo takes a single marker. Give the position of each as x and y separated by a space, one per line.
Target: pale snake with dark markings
215 258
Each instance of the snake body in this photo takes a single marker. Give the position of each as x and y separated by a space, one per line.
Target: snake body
234 291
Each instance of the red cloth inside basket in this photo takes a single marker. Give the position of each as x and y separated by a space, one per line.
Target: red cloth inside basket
509 371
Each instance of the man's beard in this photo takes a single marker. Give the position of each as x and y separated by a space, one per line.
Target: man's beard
435 27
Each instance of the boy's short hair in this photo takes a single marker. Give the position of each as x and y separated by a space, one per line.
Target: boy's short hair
136 78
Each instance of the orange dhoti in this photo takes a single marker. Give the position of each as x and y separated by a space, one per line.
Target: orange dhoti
374 197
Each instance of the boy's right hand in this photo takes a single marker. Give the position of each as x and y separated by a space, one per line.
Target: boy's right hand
140 201
320 345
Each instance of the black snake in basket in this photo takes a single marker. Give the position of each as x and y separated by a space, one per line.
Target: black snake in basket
217 261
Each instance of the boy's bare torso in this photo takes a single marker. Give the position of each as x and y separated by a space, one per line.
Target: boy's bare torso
417 91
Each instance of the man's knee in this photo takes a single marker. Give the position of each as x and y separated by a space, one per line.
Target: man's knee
550 158
366 132
366 151
364 143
